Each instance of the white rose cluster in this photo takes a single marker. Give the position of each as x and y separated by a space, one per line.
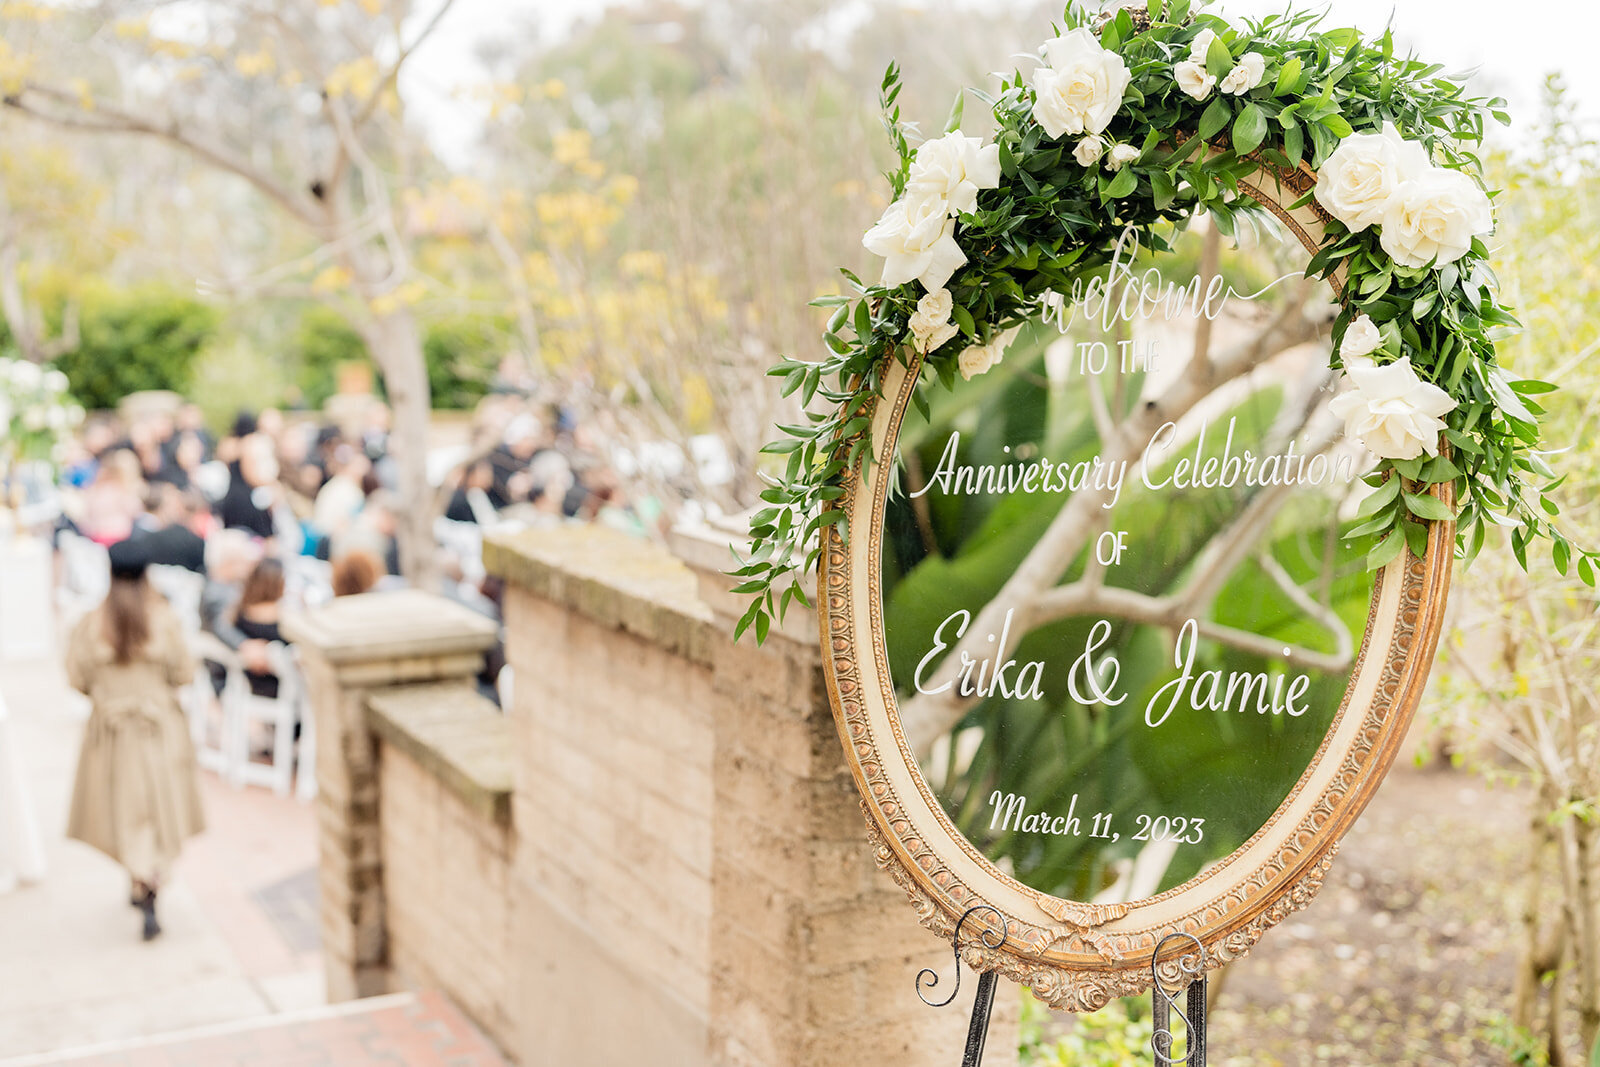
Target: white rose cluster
1426 214
1078 90
33 402
917 233
930 325
1196 81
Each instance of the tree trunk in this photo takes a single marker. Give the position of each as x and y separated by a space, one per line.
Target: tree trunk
1587 935
396 346
1539 954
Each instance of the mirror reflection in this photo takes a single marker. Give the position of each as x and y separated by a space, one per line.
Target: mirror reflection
1119 610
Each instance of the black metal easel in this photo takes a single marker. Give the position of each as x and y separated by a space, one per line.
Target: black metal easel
1191 972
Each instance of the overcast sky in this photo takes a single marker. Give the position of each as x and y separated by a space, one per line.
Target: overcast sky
1513 45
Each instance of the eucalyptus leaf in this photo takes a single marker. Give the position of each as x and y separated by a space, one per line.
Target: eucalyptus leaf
1249 130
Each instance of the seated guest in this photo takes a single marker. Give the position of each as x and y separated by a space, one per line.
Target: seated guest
372 532
356 572
83 462
471 495
164 531
341 498
252 488
183 459
256 617
231 556
511 458
113 499
190 422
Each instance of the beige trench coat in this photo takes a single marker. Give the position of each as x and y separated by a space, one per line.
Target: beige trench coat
137 795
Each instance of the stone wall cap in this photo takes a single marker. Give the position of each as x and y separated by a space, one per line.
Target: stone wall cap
455 735
402 624
610 578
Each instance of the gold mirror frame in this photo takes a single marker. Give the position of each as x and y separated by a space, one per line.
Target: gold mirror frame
1077 956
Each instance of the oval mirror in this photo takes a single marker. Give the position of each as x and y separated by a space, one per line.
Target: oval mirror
1103 656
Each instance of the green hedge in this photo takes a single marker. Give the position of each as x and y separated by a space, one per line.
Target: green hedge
135 339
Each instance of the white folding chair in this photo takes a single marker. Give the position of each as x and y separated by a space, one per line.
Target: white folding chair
199 701
307 581
85 577
305 764
482 509
183 589
242 710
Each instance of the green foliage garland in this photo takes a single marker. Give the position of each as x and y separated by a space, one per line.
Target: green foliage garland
1053 220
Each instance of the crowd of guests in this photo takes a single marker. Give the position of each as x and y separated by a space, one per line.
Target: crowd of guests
281 497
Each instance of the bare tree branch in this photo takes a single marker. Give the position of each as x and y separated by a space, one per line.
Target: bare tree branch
106 118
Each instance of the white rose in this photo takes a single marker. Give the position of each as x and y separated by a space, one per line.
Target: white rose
937 306
917 238
56 382
1361 338
1201 46
930 325
936 338
955 168
5 415
1433 217
1194 79
75 416
977 360
1358 181
1246 75
34 419
1089 150
1121 156
1393 412
1080 88
56 419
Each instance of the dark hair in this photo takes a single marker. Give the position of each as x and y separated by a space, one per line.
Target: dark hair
127 617
355 572
264 586
244 424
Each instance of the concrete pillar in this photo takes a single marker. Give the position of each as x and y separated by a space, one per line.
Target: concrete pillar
350 649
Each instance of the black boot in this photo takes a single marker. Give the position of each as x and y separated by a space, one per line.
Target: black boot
147 905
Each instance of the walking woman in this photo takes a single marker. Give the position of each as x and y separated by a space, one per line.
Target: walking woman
136 797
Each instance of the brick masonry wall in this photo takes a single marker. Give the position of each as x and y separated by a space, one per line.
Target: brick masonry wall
446 876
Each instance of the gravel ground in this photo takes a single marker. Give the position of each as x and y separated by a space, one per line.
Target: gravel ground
1409 951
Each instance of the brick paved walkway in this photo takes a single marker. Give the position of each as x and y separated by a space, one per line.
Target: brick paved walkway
405 1030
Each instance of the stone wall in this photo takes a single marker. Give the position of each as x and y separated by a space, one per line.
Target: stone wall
444 816
656 856
691 850
613 802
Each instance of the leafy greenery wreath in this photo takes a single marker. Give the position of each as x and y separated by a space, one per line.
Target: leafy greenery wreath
1041 207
